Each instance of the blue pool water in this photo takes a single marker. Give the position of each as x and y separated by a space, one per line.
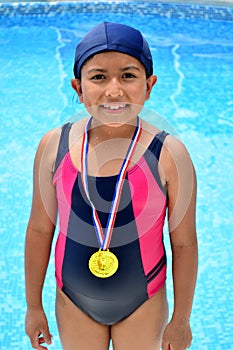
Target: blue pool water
193 59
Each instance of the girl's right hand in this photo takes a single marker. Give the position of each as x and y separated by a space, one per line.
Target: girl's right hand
36 327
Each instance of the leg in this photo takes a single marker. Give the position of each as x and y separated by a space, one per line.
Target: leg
77 330
144 328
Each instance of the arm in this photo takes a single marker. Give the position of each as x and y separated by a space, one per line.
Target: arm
181 186
38 242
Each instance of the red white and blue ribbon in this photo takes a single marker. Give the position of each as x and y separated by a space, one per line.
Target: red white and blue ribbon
104 238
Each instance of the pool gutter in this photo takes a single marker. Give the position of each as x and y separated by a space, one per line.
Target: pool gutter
169 9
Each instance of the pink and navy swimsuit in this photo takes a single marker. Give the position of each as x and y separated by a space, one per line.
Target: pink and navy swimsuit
137 238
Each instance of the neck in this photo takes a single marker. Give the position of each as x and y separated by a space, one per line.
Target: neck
111 131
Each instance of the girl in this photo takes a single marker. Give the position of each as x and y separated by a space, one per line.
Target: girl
111 178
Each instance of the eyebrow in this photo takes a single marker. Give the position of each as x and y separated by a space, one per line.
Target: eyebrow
101 70
130 67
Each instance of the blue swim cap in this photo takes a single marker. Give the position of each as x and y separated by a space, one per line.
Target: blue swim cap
113 37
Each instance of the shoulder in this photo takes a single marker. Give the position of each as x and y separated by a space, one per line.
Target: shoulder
149 128
49 142
47 149
175 149
173 146
175 158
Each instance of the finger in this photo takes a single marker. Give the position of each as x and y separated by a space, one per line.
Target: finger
47 336
35 341
40 347
48 339
42 340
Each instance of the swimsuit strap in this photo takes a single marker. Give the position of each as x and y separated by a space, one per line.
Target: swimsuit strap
152 156
63 146
157 143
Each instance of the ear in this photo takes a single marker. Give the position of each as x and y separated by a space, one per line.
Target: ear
76 85
150 82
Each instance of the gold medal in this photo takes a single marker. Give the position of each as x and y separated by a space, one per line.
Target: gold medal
103 263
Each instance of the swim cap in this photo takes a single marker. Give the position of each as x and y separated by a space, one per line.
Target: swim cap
109 36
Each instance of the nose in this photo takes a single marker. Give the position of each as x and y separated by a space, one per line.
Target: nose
114 89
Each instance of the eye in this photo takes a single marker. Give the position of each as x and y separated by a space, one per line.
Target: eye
128 75
98 77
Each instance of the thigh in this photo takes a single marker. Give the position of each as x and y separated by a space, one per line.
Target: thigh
78 331
144 328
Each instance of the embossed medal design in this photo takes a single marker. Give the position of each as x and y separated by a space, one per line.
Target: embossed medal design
103 263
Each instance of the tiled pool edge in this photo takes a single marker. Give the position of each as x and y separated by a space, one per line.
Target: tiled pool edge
160 9
223 3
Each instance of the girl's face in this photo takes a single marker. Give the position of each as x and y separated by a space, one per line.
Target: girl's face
113 87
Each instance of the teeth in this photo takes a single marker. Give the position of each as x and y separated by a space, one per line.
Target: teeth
114 107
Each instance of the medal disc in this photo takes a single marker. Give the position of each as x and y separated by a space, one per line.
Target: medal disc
103 263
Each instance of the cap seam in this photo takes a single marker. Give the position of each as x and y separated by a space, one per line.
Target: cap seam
106 33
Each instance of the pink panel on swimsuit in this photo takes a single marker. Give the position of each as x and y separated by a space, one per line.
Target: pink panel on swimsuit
149 205
59 255
64 179
157 283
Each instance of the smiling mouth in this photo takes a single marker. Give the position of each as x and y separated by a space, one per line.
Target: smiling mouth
114 107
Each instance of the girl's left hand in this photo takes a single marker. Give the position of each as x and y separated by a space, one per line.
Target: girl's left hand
177 336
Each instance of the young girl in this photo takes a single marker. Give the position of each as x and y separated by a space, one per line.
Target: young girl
111 178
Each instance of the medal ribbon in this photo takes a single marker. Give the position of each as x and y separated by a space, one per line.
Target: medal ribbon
105 239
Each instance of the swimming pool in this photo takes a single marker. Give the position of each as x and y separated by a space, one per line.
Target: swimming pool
193 58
